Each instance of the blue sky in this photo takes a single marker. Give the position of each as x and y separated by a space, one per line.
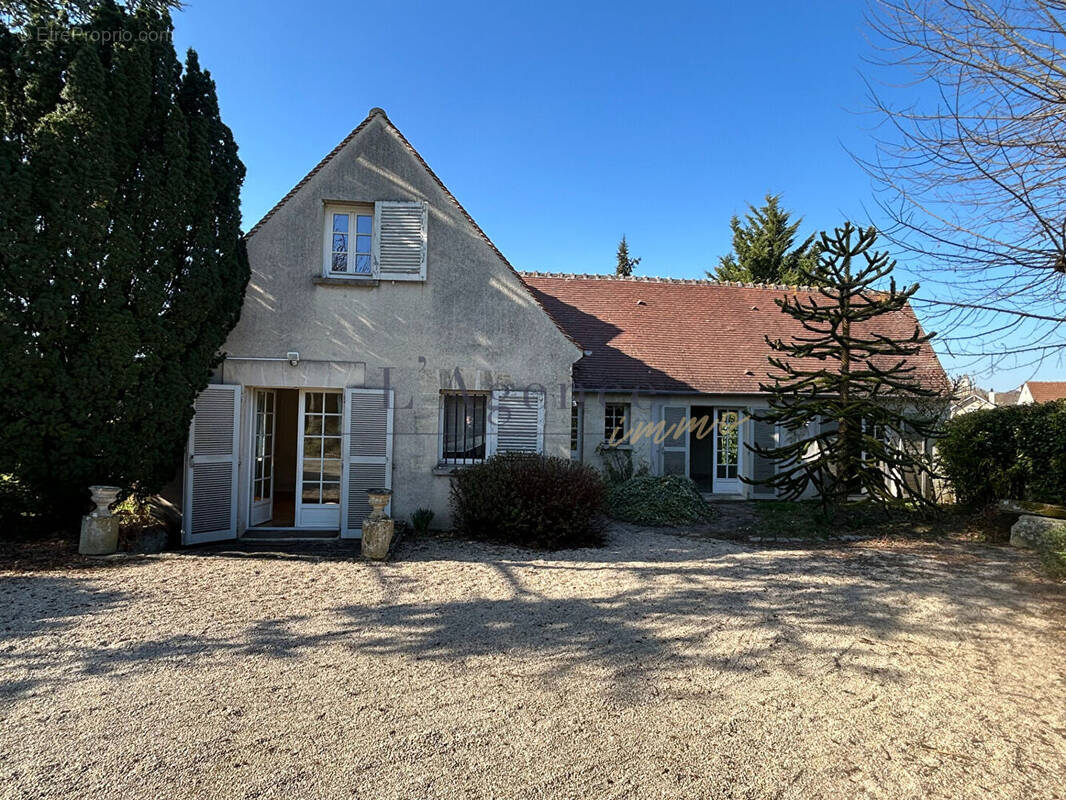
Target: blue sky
561 127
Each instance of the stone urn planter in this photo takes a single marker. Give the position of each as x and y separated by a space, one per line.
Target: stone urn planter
378 529
99 528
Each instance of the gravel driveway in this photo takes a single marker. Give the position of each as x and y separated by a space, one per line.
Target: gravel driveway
658 666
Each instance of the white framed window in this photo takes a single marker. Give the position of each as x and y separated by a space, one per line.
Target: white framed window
384 240
464 427
615 422
348 242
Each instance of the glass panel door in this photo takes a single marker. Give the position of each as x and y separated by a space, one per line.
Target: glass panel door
727 451
319 470
674 447
263 456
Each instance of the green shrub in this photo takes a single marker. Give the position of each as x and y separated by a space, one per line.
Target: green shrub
618 464
421 519
658 500
134 515
21 510
1015 452
529 500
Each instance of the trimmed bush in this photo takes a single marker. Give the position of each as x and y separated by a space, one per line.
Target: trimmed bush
421 520
658 500
530 501
1013 452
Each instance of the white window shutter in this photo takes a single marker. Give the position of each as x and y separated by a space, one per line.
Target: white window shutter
400 233
765 436
210 508
519 421
367 454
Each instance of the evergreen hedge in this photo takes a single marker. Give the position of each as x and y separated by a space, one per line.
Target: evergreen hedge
122 268
1011 452
530 501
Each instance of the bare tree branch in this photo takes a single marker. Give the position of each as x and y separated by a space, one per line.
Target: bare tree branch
970 161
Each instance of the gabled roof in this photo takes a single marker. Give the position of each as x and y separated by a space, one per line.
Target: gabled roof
684 336
1046 391
380 113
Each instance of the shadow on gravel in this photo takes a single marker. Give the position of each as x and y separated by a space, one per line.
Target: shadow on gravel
43 605
638 609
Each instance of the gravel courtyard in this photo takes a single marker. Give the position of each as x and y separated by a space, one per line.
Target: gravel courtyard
659 666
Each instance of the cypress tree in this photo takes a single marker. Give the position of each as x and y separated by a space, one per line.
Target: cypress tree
764 249
121 264
625 264
844 392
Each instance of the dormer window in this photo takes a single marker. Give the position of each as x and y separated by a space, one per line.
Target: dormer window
385 240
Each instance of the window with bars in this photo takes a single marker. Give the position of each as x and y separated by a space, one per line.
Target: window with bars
615 422
464 429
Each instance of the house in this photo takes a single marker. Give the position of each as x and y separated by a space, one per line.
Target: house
385 341
970 397
666 350
1041 392
379 333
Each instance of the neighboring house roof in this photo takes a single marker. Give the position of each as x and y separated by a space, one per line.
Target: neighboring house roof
1008 398
379 112
970 402
1045 391
685 336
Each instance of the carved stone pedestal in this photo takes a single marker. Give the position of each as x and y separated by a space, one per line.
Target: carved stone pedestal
99 530
377 528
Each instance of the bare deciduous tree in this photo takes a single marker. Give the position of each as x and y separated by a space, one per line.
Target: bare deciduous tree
971 166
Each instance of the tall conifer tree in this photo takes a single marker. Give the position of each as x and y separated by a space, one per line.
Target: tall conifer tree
856 418
625 264
121 263
765 249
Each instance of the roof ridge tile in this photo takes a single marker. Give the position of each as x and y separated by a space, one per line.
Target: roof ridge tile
666 280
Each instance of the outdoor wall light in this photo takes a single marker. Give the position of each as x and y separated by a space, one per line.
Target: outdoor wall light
294 358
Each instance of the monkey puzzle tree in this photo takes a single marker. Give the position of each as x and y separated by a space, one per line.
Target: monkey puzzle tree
845 391
121 263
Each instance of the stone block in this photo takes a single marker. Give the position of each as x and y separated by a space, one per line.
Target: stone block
1030 530
377 537
99 536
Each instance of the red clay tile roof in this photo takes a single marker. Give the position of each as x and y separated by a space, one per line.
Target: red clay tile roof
1046 391
669 335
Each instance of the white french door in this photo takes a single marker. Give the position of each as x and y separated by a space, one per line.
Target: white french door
727 435
264 412
674 449
318 460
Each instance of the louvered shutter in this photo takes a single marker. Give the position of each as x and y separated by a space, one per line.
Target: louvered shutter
367 449
400 240
210 512
519 421
763 468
